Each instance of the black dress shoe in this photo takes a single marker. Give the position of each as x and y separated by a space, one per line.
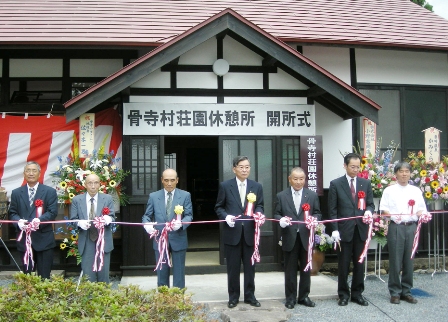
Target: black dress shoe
253 303
307 302
395 299
289 305
232 304
360 300
342 302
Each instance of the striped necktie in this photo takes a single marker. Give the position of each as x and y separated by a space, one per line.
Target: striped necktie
31 196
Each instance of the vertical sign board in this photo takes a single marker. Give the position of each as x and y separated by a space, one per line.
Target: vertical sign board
311 160
86 134
369 138
432 144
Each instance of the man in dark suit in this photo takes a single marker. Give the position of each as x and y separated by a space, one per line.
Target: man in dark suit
85 208
160 209
238 235
344 202
35 202
295 236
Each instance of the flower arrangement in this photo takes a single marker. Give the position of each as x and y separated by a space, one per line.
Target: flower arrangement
379 169
322 240
430 177
380 229
71 173
71 242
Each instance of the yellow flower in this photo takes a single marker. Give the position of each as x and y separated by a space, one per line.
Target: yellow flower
63 184
442 170
178 210
428 195
112 183
445 189
251 197
74 237
423 173
63 246
71 195
434 184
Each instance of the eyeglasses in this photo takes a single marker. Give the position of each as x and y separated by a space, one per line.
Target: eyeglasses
31 171
241 168
354 167
96 183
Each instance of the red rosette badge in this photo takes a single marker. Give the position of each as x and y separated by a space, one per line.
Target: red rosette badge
411 204
361 200
39 203
105 211
306 208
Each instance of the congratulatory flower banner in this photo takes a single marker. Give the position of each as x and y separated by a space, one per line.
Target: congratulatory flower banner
218 119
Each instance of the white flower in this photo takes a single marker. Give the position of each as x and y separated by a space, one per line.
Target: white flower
65 240
96 164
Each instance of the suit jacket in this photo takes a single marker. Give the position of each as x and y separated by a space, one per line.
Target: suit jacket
20 208
78 210
229 203
285 207
156 212
341 205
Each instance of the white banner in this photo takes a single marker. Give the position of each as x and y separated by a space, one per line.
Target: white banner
218 119
432 144
86 134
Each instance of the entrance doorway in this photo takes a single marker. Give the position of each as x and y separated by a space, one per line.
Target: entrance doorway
196 160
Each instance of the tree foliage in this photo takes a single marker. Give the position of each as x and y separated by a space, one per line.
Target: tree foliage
423 3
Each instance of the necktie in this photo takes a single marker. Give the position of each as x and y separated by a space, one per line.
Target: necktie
93 232
169 204
31 196
352 189
297 200
242 193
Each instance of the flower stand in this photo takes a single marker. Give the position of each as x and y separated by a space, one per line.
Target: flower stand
377 264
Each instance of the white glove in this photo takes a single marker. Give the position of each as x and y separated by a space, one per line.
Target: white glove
368 213
284 221
22 224
107 219
36 220
335 235
149 228
177 224
84 224
230 220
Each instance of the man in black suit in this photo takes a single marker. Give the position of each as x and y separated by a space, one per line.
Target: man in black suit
344 202
238 235
35 202
295 236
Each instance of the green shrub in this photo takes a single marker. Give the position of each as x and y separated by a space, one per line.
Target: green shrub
31 299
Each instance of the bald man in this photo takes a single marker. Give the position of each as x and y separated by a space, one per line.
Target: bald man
160 209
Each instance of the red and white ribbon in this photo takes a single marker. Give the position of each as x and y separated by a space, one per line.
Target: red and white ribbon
311 223
249 209
32 226
259 221
424 218
99 223
163 244
367 219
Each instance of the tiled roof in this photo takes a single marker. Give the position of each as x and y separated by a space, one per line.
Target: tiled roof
142 22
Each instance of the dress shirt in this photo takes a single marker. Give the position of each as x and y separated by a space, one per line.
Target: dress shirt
88 202
166 195
396 198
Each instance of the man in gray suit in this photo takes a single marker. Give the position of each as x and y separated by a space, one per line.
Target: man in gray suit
160 210
295 236
85 208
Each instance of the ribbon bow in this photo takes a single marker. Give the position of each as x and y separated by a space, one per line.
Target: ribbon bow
163 245
259 221
32 226
99 223
311 224
424 218
367 219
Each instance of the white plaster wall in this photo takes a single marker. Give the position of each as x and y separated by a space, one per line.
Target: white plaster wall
237 54
401 67
336 136
196 80
265 100
94 67
282 80
204 54
35 68
243 80
333 59
172 99
157 79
